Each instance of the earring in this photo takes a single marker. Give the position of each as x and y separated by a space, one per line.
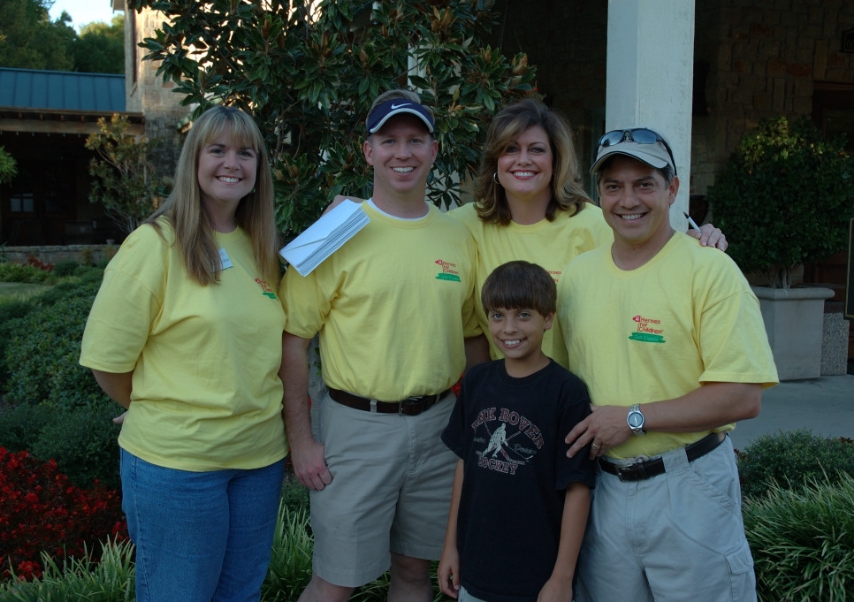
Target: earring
495 178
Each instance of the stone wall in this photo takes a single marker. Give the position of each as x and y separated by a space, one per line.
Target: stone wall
84 254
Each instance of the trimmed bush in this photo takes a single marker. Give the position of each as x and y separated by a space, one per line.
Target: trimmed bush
9 312
56 409
65 268
43 348
791 459
29 274
84 443
21 426
784 198
803 542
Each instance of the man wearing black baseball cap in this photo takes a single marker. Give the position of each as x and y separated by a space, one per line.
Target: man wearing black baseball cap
392 308
669 338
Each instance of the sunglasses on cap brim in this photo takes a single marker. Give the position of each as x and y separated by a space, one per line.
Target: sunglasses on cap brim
638 136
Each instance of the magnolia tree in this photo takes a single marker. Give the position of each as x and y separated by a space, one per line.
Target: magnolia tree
309 70
124 180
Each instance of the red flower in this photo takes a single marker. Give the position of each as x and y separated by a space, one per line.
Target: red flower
50 514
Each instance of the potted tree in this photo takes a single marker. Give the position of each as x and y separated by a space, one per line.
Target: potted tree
785 198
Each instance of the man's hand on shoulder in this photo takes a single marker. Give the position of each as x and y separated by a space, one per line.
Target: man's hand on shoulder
338 199
709 236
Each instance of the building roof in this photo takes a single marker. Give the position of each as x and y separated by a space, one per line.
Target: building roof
61 102
62 90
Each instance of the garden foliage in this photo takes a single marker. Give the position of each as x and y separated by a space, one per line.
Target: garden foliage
803 542
309 69
43 347
33 272
110 580
8 167
784 198
54 408
791 460
41 511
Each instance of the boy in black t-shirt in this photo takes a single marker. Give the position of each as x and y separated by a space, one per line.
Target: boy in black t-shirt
519 505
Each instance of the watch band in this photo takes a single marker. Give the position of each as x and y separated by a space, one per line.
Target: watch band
635 419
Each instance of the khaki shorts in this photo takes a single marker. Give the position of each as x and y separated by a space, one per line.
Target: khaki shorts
673 537
390 489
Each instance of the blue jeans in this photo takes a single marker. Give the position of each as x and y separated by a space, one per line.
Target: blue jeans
200 536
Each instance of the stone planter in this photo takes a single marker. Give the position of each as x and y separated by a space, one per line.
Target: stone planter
793 320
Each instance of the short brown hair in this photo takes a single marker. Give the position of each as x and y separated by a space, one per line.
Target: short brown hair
517 285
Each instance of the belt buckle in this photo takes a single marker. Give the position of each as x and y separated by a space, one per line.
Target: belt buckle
409 402
637 464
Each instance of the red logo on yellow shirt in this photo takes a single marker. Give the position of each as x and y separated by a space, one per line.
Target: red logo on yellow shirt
268 292
649 330
449 271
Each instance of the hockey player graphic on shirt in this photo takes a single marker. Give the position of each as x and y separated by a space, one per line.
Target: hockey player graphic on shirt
500 454
497 440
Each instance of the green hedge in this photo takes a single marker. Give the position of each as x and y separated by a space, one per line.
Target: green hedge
28 274
54 408
791 459
10 311
43 347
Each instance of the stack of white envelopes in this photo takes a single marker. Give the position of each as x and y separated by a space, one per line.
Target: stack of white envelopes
325 236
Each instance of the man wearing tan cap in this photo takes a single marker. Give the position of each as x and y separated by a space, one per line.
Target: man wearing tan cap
669 338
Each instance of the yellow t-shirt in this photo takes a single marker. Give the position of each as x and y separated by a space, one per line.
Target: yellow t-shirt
684 318
551 245
392 307
206 393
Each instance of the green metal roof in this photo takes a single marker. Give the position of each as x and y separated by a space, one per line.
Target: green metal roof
61 90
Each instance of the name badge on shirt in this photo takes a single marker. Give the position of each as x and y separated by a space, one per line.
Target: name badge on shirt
225 260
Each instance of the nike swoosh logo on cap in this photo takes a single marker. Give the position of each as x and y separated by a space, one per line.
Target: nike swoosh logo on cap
394 106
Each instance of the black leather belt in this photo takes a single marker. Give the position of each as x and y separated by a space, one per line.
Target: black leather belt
640 471
411 406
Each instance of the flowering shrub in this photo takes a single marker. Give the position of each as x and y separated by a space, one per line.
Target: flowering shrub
41 511
38 263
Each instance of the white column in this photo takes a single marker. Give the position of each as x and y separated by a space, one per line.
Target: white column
650 76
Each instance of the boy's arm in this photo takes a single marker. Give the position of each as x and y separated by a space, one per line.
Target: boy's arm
449 565
576 506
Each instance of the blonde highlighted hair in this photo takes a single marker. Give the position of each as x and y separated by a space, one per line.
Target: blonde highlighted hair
506 127
184 210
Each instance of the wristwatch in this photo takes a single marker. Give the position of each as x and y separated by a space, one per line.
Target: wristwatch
635 420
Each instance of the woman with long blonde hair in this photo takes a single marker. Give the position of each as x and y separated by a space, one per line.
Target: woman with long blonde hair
186 333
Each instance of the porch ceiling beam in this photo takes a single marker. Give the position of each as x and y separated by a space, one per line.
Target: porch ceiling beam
58 127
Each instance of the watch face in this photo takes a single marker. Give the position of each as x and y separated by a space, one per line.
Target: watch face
635 419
